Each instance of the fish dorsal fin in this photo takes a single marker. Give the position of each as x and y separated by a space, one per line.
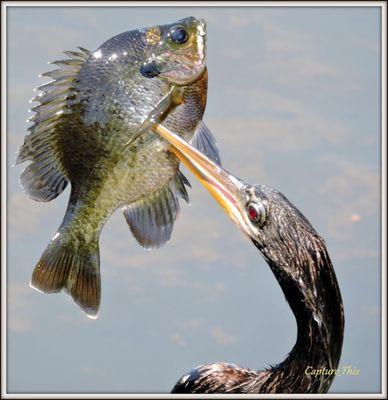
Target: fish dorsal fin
44 179
204 141
151 220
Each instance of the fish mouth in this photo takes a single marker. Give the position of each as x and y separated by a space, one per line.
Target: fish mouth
179 64
227 190
201 28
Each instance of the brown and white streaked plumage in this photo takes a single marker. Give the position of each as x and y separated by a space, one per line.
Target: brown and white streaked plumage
298 257
95 104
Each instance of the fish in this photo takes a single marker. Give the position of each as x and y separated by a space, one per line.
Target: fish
92 128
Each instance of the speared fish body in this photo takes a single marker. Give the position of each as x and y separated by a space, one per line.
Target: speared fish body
95 104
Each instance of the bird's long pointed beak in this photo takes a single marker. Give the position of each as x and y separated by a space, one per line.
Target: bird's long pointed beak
224 187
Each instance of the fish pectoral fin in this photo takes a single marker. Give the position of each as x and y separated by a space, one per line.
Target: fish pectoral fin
151 220
74 269
204 141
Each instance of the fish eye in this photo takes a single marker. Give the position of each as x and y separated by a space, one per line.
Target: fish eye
256 212
179 35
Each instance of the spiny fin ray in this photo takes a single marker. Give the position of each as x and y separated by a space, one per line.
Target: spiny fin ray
44 179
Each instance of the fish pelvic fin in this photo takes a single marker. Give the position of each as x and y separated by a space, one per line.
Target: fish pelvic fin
63 266
204 141
151 220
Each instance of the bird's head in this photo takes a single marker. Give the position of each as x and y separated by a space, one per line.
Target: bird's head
296 254
276 227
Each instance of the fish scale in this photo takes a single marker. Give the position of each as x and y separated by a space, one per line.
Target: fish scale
96 102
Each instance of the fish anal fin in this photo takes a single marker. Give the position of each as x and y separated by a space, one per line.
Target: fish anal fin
204 141
151 220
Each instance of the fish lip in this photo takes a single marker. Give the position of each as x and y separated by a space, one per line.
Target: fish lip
201 28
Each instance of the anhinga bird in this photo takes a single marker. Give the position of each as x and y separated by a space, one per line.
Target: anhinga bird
298 257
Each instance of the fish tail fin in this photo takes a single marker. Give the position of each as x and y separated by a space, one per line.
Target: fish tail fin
75 269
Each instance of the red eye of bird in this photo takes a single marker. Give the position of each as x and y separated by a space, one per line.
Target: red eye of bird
253 213
256 212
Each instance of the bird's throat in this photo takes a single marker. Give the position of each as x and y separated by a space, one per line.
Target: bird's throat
315 300
320 323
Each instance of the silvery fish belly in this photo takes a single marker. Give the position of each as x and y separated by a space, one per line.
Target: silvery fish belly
92 128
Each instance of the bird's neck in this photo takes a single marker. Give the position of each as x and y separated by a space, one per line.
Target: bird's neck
315 300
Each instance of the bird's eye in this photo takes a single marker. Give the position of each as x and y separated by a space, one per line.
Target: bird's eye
179 35
256 212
